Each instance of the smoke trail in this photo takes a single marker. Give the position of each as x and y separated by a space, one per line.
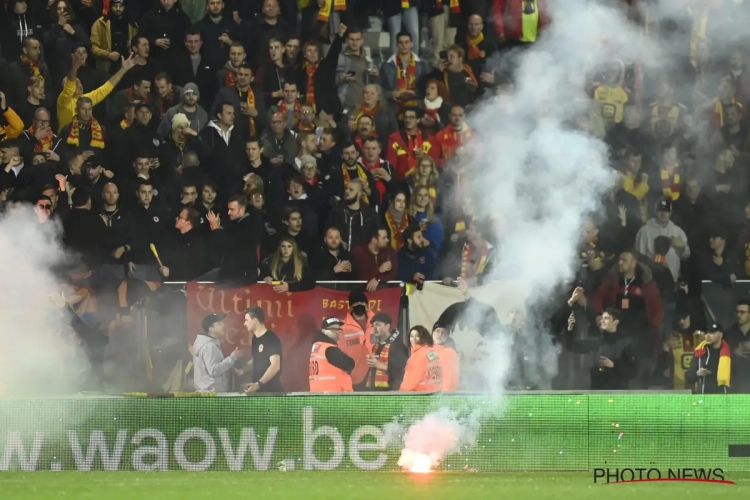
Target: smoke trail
38 351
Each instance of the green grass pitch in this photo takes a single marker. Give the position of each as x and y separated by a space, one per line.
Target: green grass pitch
347 485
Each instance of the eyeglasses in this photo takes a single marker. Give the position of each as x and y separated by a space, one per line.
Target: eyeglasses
44 206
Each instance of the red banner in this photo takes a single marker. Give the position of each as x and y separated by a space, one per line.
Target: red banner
294 317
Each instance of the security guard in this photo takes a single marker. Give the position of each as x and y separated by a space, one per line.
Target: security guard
423 370
445 347
330 369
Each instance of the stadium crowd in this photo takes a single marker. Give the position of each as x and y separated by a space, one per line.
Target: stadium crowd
265 140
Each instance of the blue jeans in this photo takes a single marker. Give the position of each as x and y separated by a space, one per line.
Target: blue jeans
409 21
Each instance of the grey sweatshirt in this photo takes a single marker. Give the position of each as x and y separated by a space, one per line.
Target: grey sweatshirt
198 120
210 367
644 243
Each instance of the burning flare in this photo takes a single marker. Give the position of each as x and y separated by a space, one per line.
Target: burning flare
420 463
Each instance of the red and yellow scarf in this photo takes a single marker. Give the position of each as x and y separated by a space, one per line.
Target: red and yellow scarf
406 80
124 123
325 12
725 361
306 128
250 100
412 143
230 78
283 108
473 45
97 135
360 174
455 6
397 229
310 69
469 269
43 144
33 66
670 190
718 114
371 112
469 72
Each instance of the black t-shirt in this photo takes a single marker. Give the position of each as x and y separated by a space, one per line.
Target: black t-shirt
264 347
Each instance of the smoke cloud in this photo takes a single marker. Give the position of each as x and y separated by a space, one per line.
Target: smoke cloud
38 351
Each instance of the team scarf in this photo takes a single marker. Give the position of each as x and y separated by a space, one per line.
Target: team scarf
124 123
33 66
396 227
725 361
473 45
230 78
469 268
406 80
671 191
659 259
283 108
250 100
97 135
306 128
325 12
468 72
719 111
362 176
455 6
310 69
412 143
405 4
43 144
365 111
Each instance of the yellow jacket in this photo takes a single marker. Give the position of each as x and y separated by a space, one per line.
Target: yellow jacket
67 100
101 42
14 128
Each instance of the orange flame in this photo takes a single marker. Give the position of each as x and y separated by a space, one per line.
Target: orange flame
422 464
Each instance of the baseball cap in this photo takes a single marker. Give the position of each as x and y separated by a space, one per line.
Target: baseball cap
664 205
209 320
714 328
381 317
436 326
329 322
141 105
118 1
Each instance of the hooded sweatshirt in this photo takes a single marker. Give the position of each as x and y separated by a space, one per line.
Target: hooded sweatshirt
19 27
644 243
210 367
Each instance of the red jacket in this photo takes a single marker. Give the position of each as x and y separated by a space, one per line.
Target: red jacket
507 17
402 157
365 265
448 140
606 296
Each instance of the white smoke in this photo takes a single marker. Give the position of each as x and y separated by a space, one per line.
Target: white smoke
39 354
536 175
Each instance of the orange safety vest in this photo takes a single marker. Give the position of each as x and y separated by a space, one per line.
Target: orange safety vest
356 344
423 371
450 363
324 377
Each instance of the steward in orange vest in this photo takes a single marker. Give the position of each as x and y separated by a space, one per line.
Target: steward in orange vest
329 368
423 371
449 358
389 356
354 339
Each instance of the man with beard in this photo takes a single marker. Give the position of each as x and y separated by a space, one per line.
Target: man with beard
110 38
249 108
238 243
196 115
353 218
351 169
167 95
332 262
185 256
415 264
219 31
387 362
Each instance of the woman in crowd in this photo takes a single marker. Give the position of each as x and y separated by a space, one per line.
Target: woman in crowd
286 269
423 212
375 105
425 175
63 36
396 220
208 201
435 107
423 371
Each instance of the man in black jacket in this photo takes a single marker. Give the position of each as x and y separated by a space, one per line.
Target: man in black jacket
354 219
249 108
332 262
615 363
321 381
192 66
81 232
151 218
238 243
325 92
219 31
165 26
185 256
221 151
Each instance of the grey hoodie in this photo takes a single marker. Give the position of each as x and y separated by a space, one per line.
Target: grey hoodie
210 367
644 243
198 120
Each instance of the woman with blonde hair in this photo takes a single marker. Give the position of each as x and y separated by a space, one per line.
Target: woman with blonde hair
426 174
375 105
286 269
423 211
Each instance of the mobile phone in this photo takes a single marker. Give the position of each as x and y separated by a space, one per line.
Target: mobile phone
443 54
276 283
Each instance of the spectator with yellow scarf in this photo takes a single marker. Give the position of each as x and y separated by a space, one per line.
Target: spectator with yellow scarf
711 367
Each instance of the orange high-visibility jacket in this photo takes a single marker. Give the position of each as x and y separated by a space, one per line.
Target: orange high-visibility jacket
423 371
324 377
450 363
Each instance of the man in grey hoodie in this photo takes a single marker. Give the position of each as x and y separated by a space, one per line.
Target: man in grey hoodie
661 225
189 107
210 367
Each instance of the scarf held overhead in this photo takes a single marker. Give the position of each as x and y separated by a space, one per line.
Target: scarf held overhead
361 175
325 12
